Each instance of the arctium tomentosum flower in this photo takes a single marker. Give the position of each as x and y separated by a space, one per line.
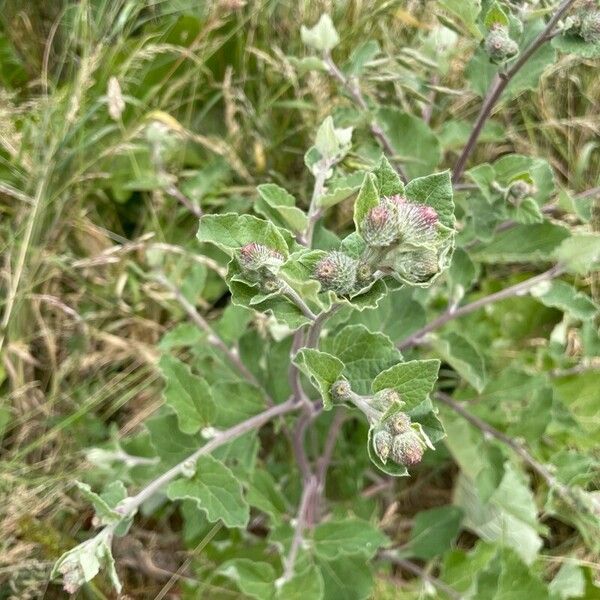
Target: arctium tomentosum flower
384 399
498 44
341 391
254 257
417 223
337 272
407 449
382 443
417 266
398 423
379 227
520 189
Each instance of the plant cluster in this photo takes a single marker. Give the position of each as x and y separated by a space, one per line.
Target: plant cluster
347 333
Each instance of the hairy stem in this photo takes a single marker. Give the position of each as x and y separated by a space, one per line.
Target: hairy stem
295 297
454 313
499 83
131 504
303 520
353 90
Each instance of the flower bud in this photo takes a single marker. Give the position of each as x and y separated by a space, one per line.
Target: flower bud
254 257
520 189
379 227
499 46
364 274
418 266
416 223
270 284
73 575
590 27
337 272
398 423
383 399
382 443
341 391
407 449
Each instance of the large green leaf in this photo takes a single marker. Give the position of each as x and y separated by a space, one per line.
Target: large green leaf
278 205
523 243
215 490
463 356
188 395
413 141
255 579
231 231
434 531
436 191
364 355
334 539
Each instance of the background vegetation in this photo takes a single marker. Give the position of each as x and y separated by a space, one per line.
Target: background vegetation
89 213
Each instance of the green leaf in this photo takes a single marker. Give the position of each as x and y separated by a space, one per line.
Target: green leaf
322 36
569 582
104 511
467 11
170 443
361 56
364 355
265 494
403 129
517 580
279 206
232 231
413 380
254 579
570 43
346 578
307 585
322 368
462 356
434 531
436 191
561 295
527 211
495 16
522 243
341 189
346 538
368 197
398 315
188 395
215 490
580 253
510 516
388 181
331 143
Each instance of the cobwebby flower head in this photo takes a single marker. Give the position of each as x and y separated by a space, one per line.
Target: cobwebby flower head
498 45
407 449
254 256
337 272
379 227
416 224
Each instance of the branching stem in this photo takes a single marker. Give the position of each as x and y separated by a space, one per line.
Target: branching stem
454 313
499 83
